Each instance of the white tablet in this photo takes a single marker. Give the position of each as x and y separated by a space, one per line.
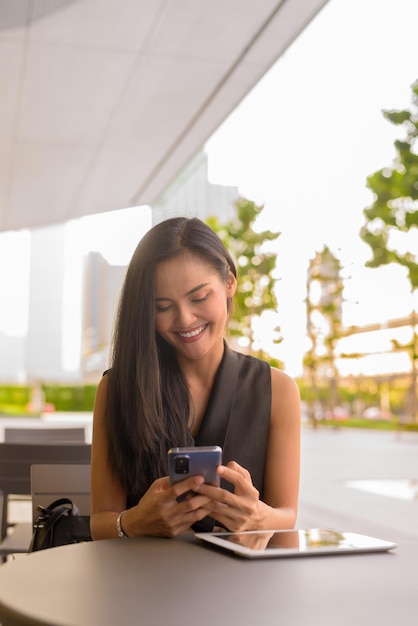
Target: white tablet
291 543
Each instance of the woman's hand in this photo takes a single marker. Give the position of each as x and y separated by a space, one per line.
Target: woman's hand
238 511
167 511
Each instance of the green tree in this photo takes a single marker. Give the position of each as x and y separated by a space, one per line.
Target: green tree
393 216
395 190
255 267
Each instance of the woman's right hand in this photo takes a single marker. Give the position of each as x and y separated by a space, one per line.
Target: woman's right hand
167 510
157 513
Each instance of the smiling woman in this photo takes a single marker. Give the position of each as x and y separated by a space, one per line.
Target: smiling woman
173 382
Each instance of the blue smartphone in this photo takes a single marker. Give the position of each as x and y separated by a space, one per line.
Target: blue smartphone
195 461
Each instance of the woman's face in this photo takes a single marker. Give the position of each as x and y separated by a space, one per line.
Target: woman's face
191 304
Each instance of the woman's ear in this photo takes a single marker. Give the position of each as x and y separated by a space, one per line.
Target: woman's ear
231 284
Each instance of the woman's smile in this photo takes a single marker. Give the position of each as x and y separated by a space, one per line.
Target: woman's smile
193 334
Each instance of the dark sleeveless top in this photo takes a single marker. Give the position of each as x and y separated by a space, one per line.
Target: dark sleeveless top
237 416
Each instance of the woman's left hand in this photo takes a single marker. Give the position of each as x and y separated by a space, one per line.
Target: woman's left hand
238 511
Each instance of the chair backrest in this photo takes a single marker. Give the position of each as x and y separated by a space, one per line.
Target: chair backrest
1 511
52 481
16 460
44 435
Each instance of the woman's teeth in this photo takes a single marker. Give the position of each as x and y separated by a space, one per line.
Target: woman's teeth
192 333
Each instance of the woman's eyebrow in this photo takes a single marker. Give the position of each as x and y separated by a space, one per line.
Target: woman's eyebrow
192 291
188 293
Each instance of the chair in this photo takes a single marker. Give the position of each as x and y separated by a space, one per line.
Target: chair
52 481
1 509
44 435
15 478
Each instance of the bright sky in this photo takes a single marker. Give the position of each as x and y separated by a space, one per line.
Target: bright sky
302 143
305 139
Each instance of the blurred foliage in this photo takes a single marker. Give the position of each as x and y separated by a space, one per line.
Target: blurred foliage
392 424
14 394
324 298
15 399
255 268
394 212
395 190
70 398
363 392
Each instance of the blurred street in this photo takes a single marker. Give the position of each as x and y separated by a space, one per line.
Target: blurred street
336 463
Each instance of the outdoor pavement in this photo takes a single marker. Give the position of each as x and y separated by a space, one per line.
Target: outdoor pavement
335 463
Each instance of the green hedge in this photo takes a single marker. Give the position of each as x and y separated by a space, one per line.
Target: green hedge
15 398
355 422
70 398
18 395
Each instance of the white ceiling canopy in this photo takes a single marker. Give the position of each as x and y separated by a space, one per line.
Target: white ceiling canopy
104 101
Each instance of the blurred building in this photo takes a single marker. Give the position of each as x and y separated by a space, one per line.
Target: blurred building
102 285
44 346
192 195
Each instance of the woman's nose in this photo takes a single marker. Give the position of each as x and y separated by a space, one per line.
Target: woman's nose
185 316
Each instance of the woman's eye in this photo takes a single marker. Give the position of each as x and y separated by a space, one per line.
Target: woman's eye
162 309
201 299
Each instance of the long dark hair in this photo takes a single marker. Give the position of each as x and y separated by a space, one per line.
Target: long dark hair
148 399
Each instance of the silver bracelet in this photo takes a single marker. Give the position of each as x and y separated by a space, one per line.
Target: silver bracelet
119 528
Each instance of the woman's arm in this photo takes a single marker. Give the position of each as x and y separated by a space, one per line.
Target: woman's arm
243 509
282 468
108 499
157 513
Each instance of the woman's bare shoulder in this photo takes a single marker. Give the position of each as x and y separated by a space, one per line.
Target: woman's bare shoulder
285 400
282 381
101 397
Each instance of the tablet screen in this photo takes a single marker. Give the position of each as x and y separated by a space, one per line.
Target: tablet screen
304 542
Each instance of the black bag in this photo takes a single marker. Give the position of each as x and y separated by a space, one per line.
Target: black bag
59 523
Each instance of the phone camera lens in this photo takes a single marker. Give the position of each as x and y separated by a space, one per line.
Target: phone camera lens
181 464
